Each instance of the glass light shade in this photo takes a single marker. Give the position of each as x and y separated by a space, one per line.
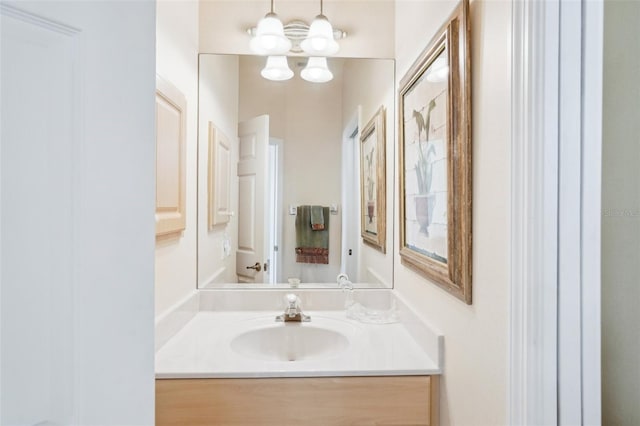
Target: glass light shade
277 69
270 38
320 41
316 70
438 71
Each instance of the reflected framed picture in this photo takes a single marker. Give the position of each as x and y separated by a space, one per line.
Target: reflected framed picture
435 159
373 193
171 142
218 178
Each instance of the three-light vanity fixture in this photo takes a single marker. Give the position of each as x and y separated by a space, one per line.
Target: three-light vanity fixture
273 39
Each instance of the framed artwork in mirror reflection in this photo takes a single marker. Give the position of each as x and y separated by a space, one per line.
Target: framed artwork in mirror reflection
218 178
435 159
373 203
171 142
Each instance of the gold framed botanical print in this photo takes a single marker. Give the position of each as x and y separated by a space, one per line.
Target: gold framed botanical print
435 159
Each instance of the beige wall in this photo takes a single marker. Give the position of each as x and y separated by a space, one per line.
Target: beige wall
474 384
621 215
371 21
369 85
177 62
308 118
219 105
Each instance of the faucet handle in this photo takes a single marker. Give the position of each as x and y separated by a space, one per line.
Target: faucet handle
291 300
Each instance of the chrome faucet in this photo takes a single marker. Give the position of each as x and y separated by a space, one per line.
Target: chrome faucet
293 310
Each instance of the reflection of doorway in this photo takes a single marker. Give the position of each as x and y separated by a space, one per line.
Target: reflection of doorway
275 212
350 198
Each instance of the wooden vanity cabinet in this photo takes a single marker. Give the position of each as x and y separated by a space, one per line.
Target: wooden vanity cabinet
309 401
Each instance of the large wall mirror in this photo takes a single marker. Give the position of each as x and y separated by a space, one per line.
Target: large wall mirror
282 174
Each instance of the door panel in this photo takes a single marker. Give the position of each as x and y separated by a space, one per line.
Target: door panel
76 218
39 79
253 184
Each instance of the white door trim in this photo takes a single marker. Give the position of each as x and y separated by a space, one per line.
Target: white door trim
350 263
554 349
534 194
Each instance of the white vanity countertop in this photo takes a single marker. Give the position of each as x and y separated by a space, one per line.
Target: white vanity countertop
202 349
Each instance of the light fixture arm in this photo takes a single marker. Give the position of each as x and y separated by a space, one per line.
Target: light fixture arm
271 38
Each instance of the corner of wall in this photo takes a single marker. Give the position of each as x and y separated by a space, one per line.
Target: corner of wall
177 46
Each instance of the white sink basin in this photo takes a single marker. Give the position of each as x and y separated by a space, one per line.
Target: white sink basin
290 342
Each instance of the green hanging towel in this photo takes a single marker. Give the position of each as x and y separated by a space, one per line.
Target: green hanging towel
317 218
311 246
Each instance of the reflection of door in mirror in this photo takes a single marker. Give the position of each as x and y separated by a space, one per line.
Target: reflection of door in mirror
253 191
260 177
274 208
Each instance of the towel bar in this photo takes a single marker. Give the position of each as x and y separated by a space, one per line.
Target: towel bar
333 209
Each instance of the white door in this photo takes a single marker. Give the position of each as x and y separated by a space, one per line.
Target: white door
253 185
76 196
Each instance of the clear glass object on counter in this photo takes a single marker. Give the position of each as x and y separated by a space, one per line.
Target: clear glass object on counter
294 282
368 315
364 314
